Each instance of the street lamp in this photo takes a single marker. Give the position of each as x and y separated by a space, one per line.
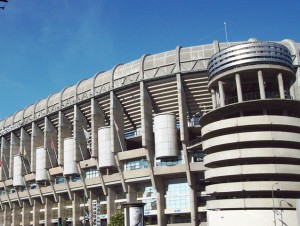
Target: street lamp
273 202
289 204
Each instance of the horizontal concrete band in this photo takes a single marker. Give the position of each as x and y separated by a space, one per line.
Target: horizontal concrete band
251 121
251 137
250 203
253 186
256 153
255 169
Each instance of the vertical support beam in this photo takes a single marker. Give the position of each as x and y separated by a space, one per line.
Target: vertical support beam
76 209
36 212
80 123
147 129
61 207
116 124
81 173
7 216
161 217
50 137
222 94
110 203
14 150
26 213
16 214
52 186
117 132
213 98
239 87
97 121
4 174
48 211
261 85
132 194
64 131
280 86
25 141
193 203
37 140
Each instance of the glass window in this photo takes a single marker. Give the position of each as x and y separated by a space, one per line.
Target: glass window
91 172
136 164
197 156
59 180
75 178
177 194
171 161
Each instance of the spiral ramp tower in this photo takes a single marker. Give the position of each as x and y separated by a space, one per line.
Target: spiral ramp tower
252 137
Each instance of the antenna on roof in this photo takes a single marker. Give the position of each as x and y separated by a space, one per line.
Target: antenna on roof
226 34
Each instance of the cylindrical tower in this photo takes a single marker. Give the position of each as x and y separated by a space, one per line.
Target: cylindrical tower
70 166
165 135
17 173
252 144
41 167
106 157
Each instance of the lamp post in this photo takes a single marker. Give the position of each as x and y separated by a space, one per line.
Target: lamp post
273 202
289 204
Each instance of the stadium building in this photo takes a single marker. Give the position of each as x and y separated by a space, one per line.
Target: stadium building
203 135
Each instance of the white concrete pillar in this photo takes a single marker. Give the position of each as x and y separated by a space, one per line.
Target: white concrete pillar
7 221
261 85
61 207
132 194
239 87
280 86
160 195
221 93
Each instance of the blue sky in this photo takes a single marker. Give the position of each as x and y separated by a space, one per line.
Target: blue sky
48 45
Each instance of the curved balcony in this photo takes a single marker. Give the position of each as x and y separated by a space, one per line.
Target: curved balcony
248 54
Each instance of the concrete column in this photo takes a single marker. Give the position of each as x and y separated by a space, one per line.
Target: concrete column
280 86
161 217
182 108
261 85
48 211
239 87
76 208
116 124
5 158
80 123
93 196
7 221
193 204
97 121
25 142
26 213
132 194
16 214
36 212
222 94
61 207
37 140
50 139
110 202
64 131
213 97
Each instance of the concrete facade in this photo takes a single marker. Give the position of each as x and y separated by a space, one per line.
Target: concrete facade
232 109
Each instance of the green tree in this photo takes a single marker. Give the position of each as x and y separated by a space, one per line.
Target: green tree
117 219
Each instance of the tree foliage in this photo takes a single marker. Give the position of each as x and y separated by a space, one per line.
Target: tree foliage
117 219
